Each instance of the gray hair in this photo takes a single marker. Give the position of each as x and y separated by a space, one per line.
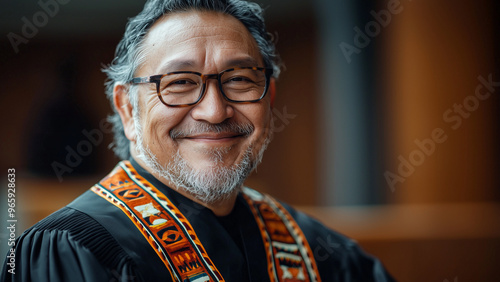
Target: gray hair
130 53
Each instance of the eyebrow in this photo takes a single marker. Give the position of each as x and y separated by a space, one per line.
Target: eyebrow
179 65
243 62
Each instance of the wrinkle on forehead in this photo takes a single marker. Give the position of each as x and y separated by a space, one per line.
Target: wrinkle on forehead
219 28
184 34
197 19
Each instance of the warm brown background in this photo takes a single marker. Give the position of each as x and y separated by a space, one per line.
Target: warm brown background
441 224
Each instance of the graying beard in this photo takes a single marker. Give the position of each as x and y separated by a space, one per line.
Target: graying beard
210 185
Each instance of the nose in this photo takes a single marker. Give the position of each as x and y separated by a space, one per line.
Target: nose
213 107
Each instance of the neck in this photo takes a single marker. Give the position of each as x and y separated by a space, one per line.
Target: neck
220 207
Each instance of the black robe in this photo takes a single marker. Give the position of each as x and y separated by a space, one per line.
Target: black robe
92 240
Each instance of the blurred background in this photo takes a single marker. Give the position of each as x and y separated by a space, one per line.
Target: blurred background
387 121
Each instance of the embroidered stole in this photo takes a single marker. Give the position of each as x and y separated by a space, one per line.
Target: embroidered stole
175 242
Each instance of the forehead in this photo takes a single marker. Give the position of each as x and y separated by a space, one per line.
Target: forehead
199 39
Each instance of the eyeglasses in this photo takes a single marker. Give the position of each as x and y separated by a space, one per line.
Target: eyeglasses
186 88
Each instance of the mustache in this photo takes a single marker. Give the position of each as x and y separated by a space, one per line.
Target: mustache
205 127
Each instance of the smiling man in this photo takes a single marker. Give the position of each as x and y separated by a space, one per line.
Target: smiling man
192 84
202 125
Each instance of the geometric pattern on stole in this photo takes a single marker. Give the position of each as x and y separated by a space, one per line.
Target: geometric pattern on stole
162 224
289 256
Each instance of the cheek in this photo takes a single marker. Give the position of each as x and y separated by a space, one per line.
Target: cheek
260 117
157 124
263 114
156 132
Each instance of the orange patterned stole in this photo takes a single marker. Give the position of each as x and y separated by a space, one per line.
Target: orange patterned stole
165 228
175 242
289 256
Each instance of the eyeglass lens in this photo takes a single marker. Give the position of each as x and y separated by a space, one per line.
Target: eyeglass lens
237 85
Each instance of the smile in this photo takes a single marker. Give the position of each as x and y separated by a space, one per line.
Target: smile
215 137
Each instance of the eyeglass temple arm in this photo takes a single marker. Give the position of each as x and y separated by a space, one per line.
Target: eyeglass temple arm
146 79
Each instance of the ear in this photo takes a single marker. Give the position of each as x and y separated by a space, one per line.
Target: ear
125 110
272 90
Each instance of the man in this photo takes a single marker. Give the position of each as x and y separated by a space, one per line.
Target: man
193 84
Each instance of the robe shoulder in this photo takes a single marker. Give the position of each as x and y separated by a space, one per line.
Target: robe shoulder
69 246
339 258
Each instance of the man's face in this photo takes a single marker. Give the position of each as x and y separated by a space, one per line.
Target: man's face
205 42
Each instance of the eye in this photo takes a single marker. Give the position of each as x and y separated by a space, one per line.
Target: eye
183 82
238 79
180 85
